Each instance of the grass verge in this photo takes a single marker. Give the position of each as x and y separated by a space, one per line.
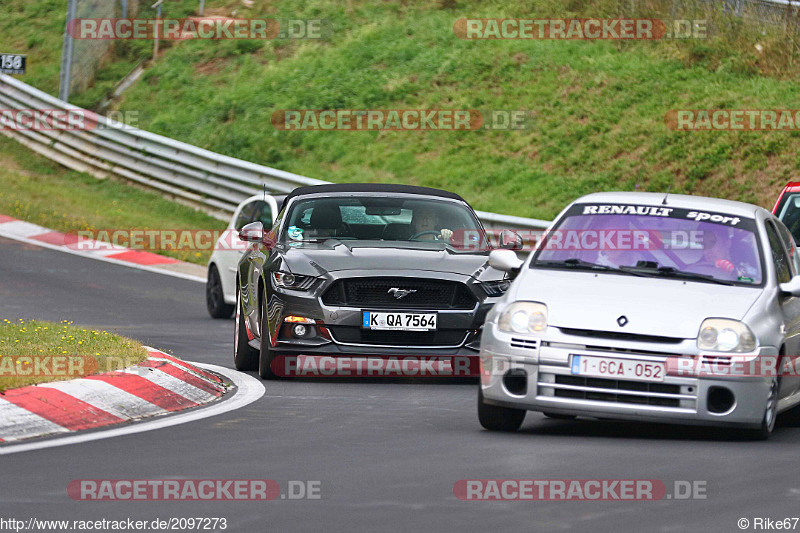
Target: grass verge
37 190
37 352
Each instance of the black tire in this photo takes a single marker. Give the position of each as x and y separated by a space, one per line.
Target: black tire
770 412
244 356
556 416
267 355
495 418
215 299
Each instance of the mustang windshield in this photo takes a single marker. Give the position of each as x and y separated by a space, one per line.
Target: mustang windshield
658 241
379 218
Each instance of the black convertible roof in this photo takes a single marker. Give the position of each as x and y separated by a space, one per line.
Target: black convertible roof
348 188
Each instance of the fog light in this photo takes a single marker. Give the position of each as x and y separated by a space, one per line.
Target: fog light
516 381
299 330
720 400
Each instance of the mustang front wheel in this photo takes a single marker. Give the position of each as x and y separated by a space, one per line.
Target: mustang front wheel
267 354
244 356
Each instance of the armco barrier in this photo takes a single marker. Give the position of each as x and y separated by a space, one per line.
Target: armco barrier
211 181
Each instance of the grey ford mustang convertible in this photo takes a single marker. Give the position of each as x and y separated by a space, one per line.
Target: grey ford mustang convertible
648 307
364 270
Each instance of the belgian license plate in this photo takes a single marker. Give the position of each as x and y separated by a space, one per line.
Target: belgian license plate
399 321
608 367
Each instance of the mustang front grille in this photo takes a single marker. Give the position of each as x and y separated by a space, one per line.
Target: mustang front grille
377 293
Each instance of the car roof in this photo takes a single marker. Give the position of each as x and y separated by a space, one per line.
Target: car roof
378 188
684 201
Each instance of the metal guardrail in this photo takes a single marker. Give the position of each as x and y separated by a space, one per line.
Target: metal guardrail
205 179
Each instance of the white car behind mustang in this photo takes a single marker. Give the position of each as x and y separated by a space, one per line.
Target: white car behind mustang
221 279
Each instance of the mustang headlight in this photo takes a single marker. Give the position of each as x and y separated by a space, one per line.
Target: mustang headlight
725 335
495 288
287 280
523 317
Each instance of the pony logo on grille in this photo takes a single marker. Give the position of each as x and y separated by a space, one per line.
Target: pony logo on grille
400 293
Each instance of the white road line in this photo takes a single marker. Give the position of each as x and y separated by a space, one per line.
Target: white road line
17 423
176 385
249 390
107 397
13 236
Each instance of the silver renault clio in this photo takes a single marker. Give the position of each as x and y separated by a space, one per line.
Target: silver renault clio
650 307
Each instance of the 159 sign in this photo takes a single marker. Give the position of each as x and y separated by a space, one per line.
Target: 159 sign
12 64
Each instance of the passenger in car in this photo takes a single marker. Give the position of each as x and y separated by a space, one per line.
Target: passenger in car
615 254
717 253
326 221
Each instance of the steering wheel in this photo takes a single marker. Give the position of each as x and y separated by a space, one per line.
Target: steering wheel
710 268
428 232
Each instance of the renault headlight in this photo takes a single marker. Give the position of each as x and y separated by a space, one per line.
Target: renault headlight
725 335
523 317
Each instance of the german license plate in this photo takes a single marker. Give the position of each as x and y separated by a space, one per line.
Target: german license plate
399 321
608 367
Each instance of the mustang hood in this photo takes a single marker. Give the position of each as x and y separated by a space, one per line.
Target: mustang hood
333 255
653 306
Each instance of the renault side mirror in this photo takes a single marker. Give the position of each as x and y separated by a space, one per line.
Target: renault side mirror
505 261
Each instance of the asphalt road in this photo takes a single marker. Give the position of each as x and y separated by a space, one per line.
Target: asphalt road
387 454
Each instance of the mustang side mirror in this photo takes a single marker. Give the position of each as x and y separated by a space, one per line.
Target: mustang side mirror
510 240
505 261
253 232
791 287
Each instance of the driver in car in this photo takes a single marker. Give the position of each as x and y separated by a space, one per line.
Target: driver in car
426 222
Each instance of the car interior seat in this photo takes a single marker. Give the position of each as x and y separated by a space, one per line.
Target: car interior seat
327 221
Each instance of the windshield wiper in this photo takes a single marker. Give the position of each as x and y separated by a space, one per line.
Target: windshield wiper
584 265
666 271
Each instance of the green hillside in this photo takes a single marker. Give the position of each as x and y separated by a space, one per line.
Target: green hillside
598 106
